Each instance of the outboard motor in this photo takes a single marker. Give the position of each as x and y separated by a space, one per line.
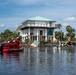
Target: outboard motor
1 47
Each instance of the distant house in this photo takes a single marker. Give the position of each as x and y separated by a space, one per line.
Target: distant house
37 28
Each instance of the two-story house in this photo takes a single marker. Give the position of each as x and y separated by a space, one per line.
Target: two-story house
37 28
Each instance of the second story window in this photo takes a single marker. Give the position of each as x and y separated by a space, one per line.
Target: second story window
31 33
41 32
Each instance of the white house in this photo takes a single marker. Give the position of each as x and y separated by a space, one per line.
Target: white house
37 28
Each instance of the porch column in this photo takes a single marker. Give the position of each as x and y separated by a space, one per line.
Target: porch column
37 35
32 38
23 39
29 33
45 34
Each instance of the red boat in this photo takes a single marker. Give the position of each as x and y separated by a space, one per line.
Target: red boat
13 45
5 50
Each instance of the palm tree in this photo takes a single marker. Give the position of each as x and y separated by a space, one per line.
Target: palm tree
59 35
60 31
59 26
70 32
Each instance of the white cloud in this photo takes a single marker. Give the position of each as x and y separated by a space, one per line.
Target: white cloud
2 25
70 19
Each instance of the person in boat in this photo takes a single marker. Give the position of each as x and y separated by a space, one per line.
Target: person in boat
7 45
12 42
18 42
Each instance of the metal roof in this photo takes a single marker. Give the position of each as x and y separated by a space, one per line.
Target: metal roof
38 18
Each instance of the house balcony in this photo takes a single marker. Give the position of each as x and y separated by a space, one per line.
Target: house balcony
38 26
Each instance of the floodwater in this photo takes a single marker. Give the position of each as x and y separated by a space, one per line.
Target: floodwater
39 61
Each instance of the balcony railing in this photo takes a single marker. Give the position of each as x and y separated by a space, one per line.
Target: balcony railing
37 25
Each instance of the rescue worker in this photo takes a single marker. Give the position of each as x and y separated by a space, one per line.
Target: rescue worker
6 45
17 42
12 43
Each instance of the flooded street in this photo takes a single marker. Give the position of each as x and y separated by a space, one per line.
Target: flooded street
39 61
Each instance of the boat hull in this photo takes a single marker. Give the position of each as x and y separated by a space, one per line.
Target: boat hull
13 50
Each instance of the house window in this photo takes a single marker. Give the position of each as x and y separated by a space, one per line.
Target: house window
41 32
31 33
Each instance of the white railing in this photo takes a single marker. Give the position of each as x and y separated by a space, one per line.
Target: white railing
53 25
38 25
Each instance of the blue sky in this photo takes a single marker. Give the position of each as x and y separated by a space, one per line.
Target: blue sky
13 12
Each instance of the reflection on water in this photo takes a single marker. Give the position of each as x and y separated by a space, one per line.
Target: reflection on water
39 61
